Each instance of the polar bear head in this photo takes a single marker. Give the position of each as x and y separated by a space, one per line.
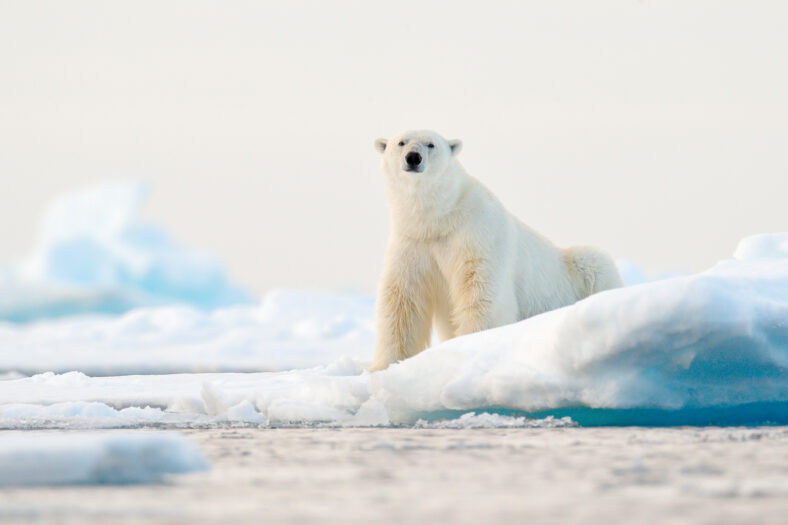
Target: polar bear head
420 153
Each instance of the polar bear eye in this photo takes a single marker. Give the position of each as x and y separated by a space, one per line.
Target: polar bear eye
430 145
401 143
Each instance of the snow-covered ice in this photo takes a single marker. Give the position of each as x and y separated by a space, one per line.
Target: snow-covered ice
472 420
763 246
709 348
91 412
702 349
286 330
94 254
693 346
91 459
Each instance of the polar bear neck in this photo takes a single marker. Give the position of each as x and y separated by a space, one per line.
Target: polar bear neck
427 207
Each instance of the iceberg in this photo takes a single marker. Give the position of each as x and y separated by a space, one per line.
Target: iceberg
763 246
94 255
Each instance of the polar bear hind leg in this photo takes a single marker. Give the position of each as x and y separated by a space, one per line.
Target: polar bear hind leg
593 270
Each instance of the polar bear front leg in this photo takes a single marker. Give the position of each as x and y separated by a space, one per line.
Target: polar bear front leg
472 296
403 311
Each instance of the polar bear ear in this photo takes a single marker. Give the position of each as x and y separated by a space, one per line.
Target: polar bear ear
380 145
456 146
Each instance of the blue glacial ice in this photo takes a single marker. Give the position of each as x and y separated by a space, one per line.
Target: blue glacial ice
95 255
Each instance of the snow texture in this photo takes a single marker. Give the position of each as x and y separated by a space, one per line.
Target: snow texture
94 459
94 255
287 330
92 412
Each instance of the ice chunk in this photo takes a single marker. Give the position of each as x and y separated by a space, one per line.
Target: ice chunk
763 246
244 412
95 255
94 459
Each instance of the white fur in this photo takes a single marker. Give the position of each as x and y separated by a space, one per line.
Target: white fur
458 259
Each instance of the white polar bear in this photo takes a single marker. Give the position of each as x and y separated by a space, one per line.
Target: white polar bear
457 258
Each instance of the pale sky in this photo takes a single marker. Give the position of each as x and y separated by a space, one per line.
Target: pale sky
656 130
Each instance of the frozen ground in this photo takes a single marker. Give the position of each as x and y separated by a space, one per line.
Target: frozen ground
558 475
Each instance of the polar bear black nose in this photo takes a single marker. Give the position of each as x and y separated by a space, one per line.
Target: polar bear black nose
413 159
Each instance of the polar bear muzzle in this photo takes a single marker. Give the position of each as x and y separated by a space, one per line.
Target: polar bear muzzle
413 160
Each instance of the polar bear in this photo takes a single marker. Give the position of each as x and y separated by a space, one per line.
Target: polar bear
457 259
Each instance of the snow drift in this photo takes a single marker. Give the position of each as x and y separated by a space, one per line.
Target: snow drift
94 255
94 459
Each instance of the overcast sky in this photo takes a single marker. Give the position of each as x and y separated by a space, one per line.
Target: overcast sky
656 130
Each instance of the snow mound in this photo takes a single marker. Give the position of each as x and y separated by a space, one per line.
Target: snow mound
709 347
94 255
94 459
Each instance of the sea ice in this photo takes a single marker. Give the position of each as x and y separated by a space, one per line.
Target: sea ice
710 348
